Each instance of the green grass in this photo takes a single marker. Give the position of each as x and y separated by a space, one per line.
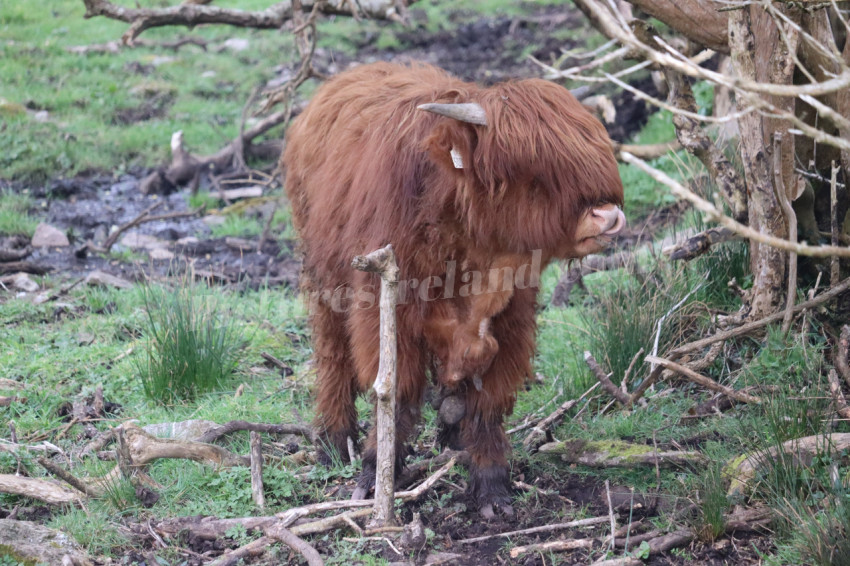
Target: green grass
15 215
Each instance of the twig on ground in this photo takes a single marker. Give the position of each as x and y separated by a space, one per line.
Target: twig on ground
542 529
541 427
611 513
553 546
704 381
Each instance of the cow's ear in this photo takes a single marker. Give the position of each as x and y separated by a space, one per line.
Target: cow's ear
452 144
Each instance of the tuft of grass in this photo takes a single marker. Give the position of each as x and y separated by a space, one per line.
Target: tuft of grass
713 503
192 344
14 214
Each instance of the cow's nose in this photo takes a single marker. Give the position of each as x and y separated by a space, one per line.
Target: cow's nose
609 218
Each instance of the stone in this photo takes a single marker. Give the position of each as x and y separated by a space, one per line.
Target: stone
47 235
27 542
103 279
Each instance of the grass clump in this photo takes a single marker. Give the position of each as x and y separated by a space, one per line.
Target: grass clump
14 214
192 346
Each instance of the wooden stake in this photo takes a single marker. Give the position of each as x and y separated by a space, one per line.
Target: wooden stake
383 262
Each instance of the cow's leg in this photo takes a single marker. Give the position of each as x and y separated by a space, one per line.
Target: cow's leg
337 387
482 430
411 366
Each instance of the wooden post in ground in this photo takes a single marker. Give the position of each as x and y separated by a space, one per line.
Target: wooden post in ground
383 262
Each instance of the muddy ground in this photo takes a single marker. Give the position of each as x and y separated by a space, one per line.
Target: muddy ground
486 50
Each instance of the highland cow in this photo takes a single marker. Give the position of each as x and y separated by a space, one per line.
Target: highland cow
477 189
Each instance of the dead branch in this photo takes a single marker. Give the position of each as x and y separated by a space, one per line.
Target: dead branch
651 151
590 264
233 426
758 324
210 528
383 262
784 196
145 448
190 15
257 470
623 561
553 546
14 255
299 545
617 454
742 471
254 548
699 244
842 363
694 139
837 395
542 529
716 215
606 382
115 46
67 476
553 418
704 381
23 267
42 490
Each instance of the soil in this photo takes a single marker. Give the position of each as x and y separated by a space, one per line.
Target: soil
486 50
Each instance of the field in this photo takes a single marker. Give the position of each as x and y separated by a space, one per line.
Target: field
202 325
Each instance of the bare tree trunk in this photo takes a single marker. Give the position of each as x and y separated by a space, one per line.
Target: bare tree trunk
754 38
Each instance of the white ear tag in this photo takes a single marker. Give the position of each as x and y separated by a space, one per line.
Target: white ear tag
457 160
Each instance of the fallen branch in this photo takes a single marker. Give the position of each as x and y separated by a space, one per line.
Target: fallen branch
42 490
590 264
233 426
743 469
704 381
210 528
67 476
299 545
553 546
699 244
191 15
607 384
23 267
254 548
542 529
140 219
145 448
617 454
546 423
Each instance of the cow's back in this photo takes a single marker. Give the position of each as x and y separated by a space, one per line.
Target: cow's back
355 163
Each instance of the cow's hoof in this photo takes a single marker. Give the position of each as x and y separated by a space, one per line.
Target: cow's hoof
359 493
488 511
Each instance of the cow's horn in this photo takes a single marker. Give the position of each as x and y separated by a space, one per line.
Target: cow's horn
465 112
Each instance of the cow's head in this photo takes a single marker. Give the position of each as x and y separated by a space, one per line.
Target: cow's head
534 168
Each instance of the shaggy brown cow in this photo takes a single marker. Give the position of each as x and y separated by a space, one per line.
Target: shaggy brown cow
477 189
